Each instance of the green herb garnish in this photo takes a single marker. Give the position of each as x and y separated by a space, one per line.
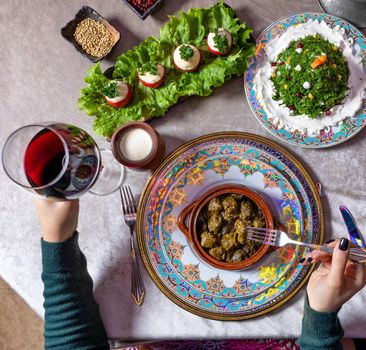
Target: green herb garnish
306 90
110 90
221 42
149 67
186 52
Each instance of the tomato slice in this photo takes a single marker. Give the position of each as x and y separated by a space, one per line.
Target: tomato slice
121 103
153 85
217 53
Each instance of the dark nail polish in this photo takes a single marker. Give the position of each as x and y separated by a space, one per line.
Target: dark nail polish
310 260
301 260
330 241
343 244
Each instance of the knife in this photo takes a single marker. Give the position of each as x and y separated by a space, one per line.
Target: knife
354 233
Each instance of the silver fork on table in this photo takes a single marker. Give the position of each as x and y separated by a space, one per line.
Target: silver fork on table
279 238
129 215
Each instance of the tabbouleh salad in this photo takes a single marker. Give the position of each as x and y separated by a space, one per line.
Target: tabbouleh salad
310 76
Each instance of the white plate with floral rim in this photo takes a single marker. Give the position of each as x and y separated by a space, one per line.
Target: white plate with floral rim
189 172
328 135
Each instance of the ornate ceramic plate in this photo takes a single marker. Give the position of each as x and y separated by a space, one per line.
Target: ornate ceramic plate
185 175
330 136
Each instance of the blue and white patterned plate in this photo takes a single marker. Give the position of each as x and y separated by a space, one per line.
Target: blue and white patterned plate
326 138
184 176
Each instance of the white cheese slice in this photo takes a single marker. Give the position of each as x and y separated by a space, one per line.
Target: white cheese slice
149 78
221 32
122 92
191 63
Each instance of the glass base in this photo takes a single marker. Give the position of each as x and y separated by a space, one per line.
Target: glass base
111 176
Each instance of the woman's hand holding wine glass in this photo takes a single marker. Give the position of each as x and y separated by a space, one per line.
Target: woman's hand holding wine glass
58 219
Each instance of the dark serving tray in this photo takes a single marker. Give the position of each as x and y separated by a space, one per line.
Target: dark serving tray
87 12
143 14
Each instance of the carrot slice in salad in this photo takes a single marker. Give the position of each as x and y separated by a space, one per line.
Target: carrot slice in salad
319 61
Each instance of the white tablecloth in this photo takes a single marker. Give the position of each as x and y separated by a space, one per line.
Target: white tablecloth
41 77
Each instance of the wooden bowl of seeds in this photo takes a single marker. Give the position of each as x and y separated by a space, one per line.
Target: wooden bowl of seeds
91 34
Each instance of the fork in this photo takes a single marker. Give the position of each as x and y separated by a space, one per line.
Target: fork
129 215
279 239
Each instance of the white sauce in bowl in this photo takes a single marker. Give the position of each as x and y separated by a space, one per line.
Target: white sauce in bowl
281 115
136 144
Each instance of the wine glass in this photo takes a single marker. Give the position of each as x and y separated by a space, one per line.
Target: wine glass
53 159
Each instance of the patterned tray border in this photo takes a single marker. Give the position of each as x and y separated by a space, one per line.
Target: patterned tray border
269 146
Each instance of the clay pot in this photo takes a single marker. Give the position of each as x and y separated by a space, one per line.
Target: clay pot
191 214
156 155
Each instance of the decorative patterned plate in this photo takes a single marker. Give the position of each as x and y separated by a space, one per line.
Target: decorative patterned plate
189 172
327 137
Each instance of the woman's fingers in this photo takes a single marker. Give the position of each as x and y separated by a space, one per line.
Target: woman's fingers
339 263
360 274
317 256
336 279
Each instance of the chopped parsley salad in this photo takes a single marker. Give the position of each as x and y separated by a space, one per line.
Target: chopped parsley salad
310 77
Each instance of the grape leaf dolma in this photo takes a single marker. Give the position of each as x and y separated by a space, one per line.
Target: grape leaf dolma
222 225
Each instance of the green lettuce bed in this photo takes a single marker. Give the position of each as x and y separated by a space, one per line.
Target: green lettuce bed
191 27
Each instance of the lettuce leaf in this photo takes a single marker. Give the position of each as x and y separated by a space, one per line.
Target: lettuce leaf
191 27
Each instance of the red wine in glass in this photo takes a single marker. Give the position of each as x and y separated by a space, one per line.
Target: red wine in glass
54 170
43 158
59 160
52 159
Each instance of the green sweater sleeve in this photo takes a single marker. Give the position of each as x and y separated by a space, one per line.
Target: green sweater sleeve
320 330
71 314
